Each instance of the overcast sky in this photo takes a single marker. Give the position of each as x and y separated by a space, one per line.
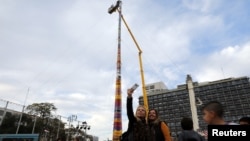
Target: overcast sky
64 51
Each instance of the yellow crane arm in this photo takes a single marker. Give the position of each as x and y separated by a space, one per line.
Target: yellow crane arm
145 98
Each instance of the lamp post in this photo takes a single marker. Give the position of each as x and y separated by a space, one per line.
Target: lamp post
34 125
70 120
59 124
5 109
85 127
20 120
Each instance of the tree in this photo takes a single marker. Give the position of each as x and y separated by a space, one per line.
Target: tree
37 116
42 110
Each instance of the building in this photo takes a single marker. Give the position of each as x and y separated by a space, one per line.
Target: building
172 105
3 112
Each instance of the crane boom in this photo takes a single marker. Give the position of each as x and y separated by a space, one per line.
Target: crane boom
145 97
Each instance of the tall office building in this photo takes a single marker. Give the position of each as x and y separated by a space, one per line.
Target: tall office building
188 99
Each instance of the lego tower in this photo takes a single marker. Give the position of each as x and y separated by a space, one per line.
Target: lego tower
117 125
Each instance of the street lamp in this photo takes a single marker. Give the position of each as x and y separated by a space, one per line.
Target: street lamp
34 125
84 127
71 119
59 124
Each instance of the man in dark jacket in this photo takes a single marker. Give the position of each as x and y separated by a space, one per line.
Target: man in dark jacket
188 134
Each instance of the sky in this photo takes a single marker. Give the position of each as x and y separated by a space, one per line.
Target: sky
65 51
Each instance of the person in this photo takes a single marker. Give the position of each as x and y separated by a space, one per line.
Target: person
213 113
137 124
244 120
188 133
158 128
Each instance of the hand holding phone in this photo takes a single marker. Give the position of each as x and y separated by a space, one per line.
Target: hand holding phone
135 86
132 89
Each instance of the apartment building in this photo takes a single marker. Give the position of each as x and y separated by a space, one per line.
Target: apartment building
188 99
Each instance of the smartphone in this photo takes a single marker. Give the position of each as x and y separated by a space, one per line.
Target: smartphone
135 86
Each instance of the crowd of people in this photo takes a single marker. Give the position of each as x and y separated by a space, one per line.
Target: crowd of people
148 126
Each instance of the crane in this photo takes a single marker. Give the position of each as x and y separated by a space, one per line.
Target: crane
117 121
145 98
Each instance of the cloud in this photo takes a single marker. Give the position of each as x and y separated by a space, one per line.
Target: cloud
199 5
224 64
